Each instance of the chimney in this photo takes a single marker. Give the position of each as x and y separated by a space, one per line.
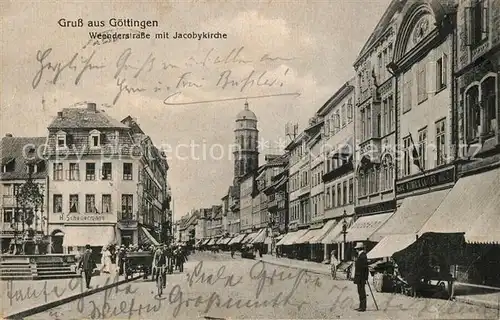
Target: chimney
9 135
91 107
59 115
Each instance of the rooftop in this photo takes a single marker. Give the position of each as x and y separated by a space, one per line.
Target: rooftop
246 114
85 118
18 152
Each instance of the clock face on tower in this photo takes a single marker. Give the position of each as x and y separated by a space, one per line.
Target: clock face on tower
421 30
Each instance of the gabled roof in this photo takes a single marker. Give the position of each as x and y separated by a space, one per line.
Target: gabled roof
382 26
14 151
85 119
337 97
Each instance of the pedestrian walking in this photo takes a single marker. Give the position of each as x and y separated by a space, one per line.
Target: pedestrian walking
334 263
121 260
106 261
361 275
87 264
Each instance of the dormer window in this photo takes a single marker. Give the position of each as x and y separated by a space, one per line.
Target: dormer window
61 139
95 139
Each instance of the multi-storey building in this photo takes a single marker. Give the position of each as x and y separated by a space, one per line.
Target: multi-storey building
247 191
375 126
22 161
95 181
277 200
233 215
421 64
338 152
471 207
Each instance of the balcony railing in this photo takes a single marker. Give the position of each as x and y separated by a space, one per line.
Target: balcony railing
126 216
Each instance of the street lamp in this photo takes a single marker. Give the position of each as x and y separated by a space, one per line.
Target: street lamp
344 231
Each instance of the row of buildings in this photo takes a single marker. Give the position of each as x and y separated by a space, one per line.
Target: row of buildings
101 181
410 144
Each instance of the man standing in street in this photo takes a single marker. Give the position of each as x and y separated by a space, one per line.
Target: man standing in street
361 275
88 265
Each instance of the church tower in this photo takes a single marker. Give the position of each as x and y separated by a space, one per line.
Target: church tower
246 134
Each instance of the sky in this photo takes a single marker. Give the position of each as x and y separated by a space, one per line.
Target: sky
286 58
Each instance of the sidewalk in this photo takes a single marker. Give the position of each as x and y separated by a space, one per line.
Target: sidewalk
486 298
21 295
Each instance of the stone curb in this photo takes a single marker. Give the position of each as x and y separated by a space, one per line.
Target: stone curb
477 302
53 304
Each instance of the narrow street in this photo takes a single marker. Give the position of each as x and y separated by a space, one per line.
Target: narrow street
217 286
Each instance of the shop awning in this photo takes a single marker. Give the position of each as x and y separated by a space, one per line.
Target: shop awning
411 215
250 237
146 237
364 227
285 237
260 237
206 241
471 207
79 236
227 240
323 232
390 244
211 242
278 238
334 233
238 238
310 234
292 237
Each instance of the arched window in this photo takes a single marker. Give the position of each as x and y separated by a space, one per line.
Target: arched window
242 142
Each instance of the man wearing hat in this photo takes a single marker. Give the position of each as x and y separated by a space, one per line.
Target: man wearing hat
88 265
361 274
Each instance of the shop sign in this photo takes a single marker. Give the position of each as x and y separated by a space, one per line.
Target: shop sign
427 181
86 218
376 208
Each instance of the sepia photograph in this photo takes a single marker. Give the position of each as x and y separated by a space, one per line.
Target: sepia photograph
253 159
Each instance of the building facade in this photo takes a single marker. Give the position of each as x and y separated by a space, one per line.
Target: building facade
246 202
22 161
96 179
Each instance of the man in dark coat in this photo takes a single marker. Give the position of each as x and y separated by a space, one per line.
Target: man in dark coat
361 275
121 260
87 264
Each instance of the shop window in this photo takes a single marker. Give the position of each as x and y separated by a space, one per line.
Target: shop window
406 156
488 101
441 142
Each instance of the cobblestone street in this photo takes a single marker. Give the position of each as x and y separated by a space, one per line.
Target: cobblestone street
215 285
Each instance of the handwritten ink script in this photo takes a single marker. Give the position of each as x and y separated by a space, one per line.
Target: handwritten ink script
224 76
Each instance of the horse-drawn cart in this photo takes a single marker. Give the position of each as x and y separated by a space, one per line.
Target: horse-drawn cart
138 262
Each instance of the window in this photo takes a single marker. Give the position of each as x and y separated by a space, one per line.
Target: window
477 22
391 114
473 113
344 116
7 215
73 203
106 203
344 192
385 110
422 147
127 171
339 195
58 171
57 203
368 122
488 100
441 142
106 171
90 171
349 110
379 125
90 203
421 82
351 190
327 198
407 86
61 139
74 171
406 156
387 173
334 197
95 139
363 131
379 65
441 72
127 205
